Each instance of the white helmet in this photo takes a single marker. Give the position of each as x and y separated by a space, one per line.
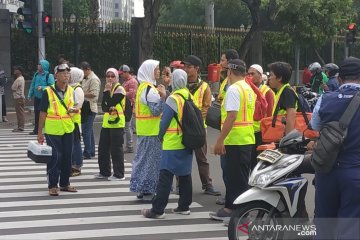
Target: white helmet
315 67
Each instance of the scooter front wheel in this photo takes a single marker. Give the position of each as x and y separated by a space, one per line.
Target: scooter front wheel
249 220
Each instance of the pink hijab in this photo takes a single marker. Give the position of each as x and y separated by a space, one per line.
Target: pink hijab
116 73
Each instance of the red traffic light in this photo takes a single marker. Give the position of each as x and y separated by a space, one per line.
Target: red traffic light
47 19
352 26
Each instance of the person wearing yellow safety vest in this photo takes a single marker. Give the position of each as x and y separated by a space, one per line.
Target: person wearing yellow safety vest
226 56
256 72
202 99
112 132
236 138
149 105
175 158
76 76
224 60
285 99
57 103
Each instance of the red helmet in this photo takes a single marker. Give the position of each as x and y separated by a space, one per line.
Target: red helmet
176 64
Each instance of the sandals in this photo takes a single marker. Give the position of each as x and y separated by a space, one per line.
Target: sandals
68 189
54 191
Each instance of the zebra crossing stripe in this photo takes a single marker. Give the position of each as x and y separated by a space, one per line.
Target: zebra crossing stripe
77 210
120 232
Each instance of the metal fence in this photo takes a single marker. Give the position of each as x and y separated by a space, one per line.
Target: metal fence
105 44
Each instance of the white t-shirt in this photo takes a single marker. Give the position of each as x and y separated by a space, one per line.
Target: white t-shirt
79 97
153 96
232 99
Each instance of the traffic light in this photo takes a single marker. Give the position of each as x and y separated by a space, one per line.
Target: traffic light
46 23
350 35
27 16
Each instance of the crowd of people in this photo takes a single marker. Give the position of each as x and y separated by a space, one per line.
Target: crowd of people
148 104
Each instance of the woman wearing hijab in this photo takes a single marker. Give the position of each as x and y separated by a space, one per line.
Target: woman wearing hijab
175 158
112 131
76 76
148 108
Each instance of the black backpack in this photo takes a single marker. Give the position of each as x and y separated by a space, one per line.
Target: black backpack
192 125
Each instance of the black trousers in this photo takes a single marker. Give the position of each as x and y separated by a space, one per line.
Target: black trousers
254 153
163 191
237 167
111 144
3 107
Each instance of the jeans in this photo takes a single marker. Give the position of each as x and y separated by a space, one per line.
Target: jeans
60 163
37 113
129 134
163 191
88 135
77 156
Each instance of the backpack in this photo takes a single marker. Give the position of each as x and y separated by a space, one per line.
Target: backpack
303 104
332 137
192 125
260 103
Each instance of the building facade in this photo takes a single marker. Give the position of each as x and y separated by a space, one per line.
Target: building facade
123 10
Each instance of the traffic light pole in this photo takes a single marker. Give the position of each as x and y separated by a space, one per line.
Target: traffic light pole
41 38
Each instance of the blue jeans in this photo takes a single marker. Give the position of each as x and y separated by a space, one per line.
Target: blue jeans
60 163
88 136
129 135
77 156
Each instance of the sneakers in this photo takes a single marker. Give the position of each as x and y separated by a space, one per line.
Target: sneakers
113 178
5 119
149 214
129 150
100 176
212 191
182 212
32 133
220 215
18 130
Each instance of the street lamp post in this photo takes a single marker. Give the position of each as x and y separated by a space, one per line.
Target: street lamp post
74 21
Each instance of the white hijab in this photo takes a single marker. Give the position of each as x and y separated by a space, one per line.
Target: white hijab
146 72
76 76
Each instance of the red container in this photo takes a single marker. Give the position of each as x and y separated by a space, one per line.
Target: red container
214 70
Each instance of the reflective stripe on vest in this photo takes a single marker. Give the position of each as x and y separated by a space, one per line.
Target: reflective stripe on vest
114 114
58 121
146 123
199 97
76 117
222 90
242 132
173 135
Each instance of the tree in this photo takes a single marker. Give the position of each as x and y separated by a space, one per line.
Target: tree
80 8
146 29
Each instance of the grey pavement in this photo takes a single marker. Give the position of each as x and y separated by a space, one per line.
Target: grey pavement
101 209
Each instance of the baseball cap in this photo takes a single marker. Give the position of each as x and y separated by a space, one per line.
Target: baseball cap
124 68
62 67
237 64
176 64
350 67
258 68
192 60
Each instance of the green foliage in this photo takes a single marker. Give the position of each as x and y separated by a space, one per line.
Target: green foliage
185 12
81 8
